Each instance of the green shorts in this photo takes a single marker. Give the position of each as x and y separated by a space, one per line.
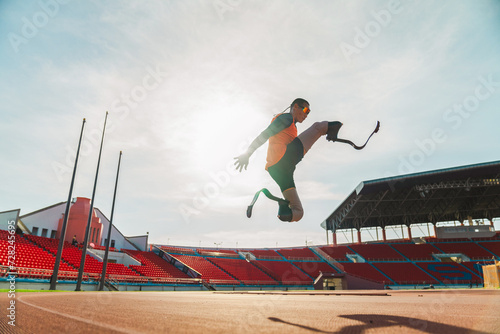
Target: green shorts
282 171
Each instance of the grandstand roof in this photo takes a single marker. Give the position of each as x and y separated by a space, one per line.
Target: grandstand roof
451 194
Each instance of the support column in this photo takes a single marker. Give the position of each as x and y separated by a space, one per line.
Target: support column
334 237
383 234
435 231
409 232
359 236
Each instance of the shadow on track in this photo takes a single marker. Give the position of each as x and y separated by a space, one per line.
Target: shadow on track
371 321
297 325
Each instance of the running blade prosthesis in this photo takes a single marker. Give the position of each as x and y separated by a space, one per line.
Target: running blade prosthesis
284 212
336 128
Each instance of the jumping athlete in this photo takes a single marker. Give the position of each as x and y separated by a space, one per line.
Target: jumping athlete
286 150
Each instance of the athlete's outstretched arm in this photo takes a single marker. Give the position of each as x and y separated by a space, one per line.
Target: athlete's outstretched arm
242 160
279 124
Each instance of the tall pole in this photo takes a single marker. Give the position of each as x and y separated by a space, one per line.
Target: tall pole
106 253
87 230
53 279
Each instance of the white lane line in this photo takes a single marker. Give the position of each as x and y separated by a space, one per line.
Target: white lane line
87 321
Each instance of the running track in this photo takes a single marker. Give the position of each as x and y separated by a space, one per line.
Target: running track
416 311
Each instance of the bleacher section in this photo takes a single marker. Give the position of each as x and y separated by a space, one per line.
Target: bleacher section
118 269
377 252
405 273
218 252
178 250
244 271
73 256
286 272
367 271
493 247
111 249
266 254
154 266
207 269
449 272
416 252
399 262
304 254
313 269
337 253
35 258
470 249
29 256
476 267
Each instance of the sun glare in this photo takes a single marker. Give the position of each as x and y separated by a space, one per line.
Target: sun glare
222 133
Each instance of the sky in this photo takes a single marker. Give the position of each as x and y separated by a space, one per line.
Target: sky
189 84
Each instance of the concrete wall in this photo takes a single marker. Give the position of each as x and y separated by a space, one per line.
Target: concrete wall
118 257
48 218
8 218
140 241
120 241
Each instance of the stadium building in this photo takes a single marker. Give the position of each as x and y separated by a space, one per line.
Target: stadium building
459 203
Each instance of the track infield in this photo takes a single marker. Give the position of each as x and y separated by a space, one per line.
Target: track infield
412 311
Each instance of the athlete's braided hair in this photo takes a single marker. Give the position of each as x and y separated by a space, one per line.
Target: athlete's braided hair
300 101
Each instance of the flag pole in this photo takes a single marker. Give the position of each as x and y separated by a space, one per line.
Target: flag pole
87 230
108 241
53 279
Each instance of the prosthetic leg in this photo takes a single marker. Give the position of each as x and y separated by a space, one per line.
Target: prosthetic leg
284 211
333 130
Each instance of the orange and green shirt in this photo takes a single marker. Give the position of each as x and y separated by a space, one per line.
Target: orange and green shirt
285 132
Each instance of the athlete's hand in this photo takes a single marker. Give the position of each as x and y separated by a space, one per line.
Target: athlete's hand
242 161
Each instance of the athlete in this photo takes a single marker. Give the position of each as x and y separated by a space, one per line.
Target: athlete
286 150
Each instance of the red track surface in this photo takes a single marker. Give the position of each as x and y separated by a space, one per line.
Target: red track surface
416 311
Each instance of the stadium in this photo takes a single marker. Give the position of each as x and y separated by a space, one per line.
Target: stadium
389 224
452 258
